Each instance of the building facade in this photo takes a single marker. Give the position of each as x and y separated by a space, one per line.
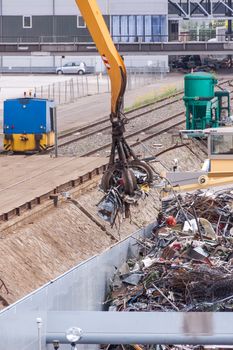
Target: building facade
60 20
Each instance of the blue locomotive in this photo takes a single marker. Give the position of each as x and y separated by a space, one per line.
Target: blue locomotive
28 124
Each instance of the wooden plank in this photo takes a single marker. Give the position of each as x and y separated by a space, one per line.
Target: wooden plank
38 175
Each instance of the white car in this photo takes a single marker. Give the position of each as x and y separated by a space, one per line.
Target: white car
72 68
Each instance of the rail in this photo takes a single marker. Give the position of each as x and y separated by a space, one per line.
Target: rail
79 134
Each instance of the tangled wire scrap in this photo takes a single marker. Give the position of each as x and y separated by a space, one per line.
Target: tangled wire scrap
186 264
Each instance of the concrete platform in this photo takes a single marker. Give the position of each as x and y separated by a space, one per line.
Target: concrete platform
25 178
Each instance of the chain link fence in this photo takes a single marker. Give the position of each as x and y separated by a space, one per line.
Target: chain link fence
70 90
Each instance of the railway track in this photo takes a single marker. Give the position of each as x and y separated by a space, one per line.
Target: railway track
148 132
96 137
104 124
174 120
148 105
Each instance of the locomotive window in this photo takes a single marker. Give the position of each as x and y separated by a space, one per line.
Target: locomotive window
52 118
221 144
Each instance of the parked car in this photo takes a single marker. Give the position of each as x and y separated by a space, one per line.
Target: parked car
72 68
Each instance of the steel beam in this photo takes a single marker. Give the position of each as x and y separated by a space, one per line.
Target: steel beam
168 48
98 327
229 8
179 8
198 4
199 9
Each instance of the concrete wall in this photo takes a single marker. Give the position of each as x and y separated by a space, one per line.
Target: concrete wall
138 7
68 7
83 288
48 63
27 7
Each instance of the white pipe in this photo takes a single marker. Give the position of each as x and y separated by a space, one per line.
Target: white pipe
39 328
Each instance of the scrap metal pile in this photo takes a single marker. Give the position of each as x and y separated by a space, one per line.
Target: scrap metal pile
186 264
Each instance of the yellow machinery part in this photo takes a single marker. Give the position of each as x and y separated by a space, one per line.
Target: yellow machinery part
221 165
28 142
210 181
114 63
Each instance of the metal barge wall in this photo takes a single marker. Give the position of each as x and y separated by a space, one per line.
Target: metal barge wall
83 288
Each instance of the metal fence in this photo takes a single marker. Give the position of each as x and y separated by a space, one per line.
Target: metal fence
70 90
65 91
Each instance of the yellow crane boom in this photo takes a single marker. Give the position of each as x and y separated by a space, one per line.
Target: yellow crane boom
114 63
120 169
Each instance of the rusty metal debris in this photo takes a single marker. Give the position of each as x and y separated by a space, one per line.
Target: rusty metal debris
154 347
186 264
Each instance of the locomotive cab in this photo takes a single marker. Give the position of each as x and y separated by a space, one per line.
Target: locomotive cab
28 124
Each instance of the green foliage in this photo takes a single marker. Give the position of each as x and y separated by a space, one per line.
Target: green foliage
151 97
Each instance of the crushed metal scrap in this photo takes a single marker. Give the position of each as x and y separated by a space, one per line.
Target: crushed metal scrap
115 202
161 347
186 264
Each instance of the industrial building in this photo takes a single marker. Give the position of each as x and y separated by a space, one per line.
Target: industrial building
60 21
128 21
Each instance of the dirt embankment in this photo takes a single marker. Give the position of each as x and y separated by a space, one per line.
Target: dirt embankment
45 245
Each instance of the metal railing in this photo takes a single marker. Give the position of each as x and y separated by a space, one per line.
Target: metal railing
68 91
84 39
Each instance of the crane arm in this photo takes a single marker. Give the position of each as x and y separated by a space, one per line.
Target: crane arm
114 63
117 72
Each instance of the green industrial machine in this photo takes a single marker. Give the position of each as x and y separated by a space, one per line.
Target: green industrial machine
205 107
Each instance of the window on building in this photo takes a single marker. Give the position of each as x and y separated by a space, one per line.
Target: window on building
80 22
124 29
27 21
148 28
140 28
134 28
156 28
116 28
